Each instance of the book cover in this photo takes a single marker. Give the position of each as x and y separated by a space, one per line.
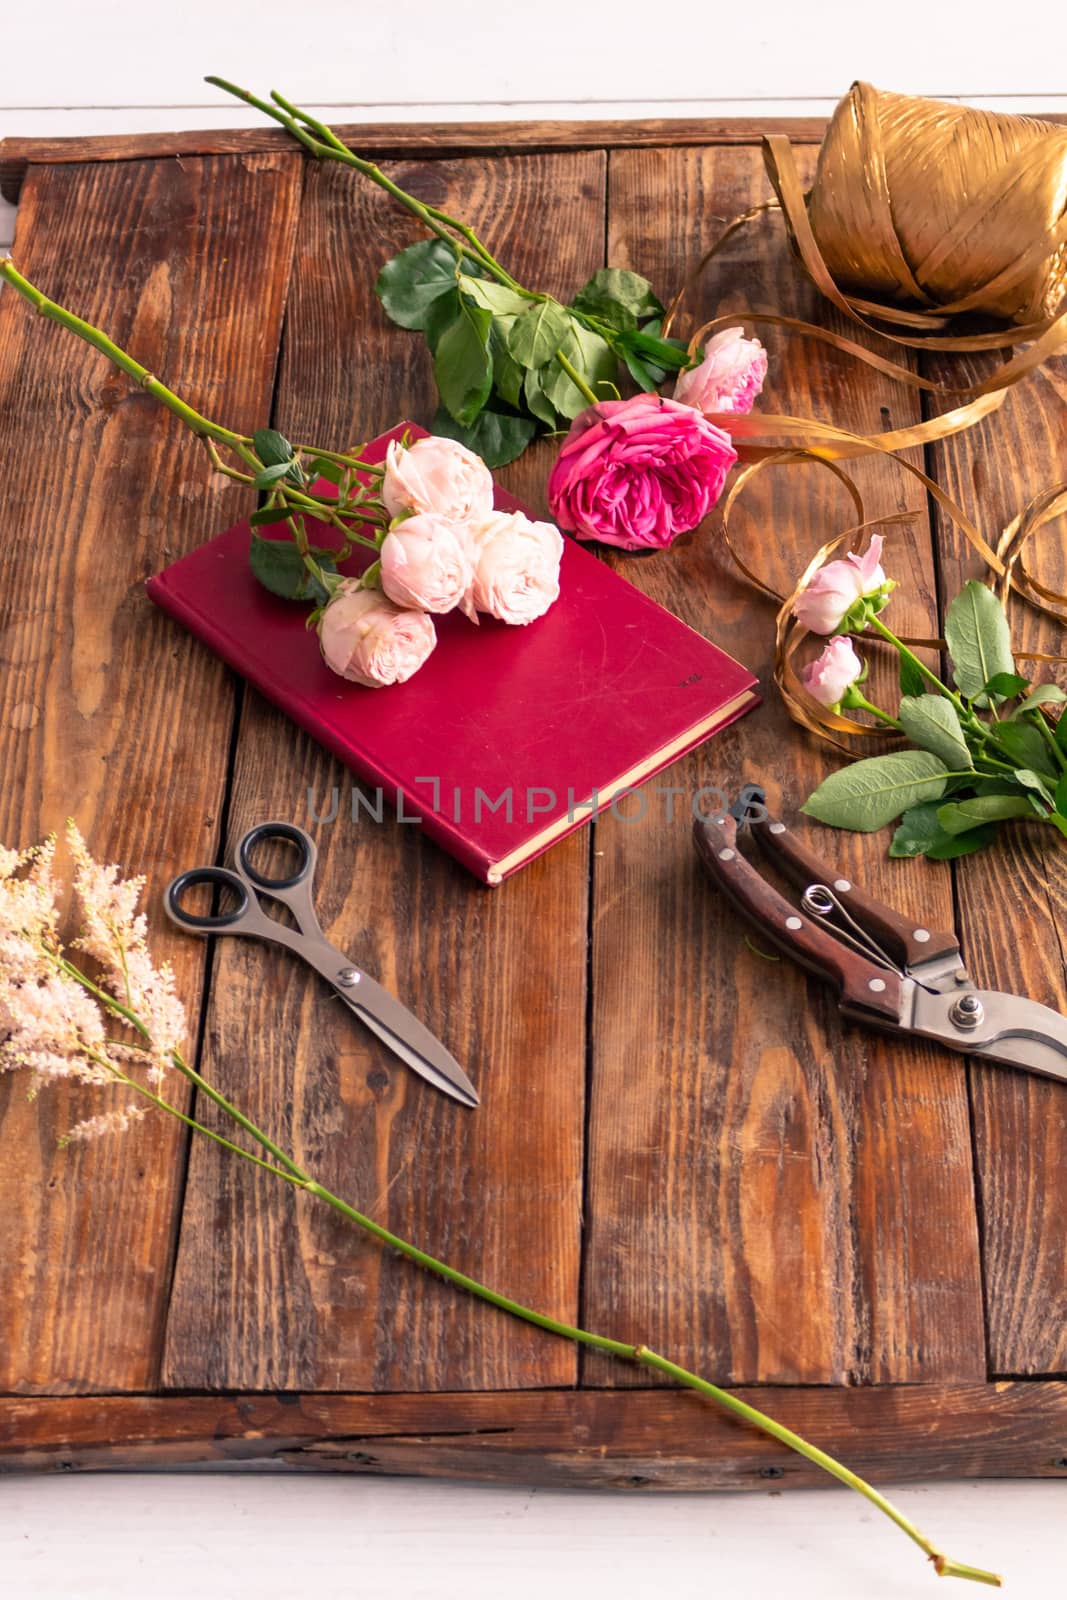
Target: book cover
508 738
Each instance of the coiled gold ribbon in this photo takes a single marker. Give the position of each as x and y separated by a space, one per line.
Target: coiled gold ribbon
922 217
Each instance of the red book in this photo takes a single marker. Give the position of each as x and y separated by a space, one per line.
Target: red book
508 738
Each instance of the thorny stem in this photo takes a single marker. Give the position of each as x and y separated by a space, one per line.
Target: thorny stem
211 433
324 144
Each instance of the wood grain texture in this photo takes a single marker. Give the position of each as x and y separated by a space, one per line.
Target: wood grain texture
272 1292
107 712
1013 899
430 140
772 1197
637 1440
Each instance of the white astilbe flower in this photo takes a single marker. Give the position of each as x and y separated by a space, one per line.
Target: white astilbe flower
52 1025
106 1122
114 933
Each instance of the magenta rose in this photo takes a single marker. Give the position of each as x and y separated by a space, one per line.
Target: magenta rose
636 473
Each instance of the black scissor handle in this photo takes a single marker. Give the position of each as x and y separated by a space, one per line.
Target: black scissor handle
291 834
219 878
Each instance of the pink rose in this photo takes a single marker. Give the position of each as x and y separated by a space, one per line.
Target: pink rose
438 475
836 670
824 603
367 639
636 473
425 565
516 566
730 376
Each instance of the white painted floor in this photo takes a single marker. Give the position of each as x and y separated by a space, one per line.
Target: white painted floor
123 65
175 1537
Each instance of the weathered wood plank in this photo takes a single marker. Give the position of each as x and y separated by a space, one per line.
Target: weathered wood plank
772 1197
643 1440
107 712
429 140
272 1294
1013 899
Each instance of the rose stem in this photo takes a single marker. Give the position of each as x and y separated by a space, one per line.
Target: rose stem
201 426
320 140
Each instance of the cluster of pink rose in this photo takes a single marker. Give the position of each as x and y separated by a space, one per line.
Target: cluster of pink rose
636 473
841 595
447 549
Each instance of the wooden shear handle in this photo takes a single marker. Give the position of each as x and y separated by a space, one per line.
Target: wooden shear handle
869 990
904 941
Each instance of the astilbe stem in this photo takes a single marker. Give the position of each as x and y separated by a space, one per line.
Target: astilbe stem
640 1354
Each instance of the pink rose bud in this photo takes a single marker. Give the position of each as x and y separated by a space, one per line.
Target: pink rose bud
425 564
730 376
636 473
835 671
824 603
367 639
438 475
516 566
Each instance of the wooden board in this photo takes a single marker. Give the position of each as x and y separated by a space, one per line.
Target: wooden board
678 1143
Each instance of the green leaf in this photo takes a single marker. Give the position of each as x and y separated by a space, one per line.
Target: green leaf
507 374
664 353
498 439
462 368
912 681
591 356
1058 822
1006 685
321 467
410 282
951 845
644 377
1037 785
272 447
440 316
917 831
976 631
1060 797
268 475
536 402
931 723
613 287
1045 694
1025 747
538 333
495 297
279 566
960 815
869 794
269 514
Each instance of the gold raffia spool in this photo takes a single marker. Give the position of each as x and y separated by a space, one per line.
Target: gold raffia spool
944 207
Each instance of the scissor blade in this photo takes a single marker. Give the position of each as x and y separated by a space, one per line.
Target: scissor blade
409 1039
1014 1031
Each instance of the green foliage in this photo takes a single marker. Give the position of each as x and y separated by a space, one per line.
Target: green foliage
409 284
497 438
463 367
279 566
501 349
976 631
871 793
931 723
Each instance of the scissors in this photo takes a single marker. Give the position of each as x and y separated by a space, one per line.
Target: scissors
890 973
374 1006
